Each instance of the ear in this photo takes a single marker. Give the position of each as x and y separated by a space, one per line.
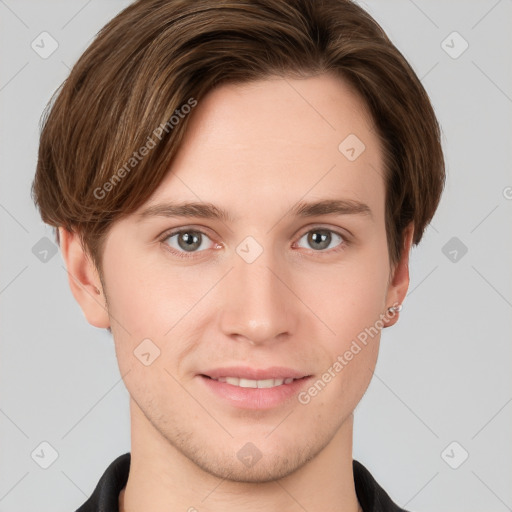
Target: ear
399 283
84 279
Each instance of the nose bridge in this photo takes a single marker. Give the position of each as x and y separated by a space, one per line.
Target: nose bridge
257 305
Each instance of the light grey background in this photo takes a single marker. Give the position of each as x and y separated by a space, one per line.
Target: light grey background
444 371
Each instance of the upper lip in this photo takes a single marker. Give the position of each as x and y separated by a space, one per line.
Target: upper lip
246 372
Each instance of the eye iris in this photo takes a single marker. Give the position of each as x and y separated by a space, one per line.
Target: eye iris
314 239
191 242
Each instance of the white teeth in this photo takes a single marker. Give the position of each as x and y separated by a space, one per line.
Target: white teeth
267 383
249 383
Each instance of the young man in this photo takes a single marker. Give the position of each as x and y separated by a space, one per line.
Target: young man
237 186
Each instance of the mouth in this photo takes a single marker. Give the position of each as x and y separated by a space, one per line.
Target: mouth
250 388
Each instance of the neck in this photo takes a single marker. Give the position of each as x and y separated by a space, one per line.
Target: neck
161 478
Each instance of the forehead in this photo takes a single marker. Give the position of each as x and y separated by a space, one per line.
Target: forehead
277 140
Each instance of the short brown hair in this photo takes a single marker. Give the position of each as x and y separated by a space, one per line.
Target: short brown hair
156 56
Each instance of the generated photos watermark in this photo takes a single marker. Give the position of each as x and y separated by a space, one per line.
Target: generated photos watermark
115 179
305 396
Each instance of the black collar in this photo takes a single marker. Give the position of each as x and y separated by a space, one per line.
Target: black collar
105 497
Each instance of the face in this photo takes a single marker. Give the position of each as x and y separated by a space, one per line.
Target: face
263 289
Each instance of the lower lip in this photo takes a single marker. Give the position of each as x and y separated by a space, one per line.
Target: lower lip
255 398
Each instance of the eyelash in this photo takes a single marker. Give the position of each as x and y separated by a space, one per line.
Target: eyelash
342 246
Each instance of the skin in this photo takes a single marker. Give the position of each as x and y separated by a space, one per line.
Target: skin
254 149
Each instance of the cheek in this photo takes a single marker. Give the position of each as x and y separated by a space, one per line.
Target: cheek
350 303
149 299
140 287
135 302
348 297
356 373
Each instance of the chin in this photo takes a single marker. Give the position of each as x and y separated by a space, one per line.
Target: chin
262 471
258 461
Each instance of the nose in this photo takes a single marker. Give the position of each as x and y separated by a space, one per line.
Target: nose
258 304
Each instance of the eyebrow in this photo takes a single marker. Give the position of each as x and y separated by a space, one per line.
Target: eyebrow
301 209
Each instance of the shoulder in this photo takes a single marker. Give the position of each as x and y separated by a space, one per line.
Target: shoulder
106 493
371 496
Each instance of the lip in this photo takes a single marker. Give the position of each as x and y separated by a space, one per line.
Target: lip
254 398
246 372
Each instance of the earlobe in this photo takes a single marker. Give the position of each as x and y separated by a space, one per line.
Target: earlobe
399 283
83 279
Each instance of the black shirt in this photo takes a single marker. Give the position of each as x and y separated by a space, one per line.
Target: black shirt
105 497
